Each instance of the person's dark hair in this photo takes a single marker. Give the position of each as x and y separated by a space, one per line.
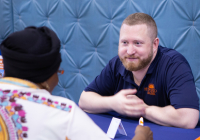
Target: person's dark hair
32 54
142 18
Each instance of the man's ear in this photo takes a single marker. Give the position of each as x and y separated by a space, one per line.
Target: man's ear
155 44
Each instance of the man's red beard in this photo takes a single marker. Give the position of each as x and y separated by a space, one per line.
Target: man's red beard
135 66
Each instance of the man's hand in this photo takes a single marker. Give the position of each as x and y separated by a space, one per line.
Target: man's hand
127 103
143 133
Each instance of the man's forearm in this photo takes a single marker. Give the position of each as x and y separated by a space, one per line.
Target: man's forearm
92 102
169 116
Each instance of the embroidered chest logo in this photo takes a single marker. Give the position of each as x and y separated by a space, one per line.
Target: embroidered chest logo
150 89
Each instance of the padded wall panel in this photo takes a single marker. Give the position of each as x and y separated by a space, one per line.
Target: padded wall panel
6 19
89 32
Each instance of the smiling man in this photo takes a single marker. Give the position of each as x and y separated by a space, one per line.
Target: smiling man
145 79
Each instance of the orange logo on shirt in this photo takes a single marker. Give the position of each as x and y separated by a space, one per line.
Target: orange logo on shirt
150 89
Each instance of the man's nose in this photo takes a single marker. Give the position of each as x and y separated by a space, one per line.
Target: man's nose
131 50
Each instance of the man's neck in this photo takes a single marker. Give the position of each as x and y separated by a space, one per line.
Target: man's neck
139 75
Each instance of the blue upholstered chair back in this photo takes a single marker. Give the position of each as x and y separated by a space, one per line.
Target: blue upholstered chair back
89 32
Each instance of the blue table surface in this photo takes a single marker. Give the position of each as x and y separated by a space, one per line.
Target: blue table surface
159 132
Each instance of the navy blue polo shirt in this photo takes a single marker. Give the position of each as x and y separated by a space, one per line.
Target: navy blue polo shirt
168 81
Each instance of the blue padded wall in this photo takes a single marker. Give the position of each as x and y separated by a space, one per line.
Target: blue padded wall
89 32
6 19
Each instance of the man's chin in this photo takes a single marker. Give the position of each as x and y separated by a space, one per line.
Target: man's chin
131 67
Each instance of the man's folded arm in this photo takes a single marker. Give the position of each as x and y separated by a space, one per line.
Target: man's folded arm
169 116
92 102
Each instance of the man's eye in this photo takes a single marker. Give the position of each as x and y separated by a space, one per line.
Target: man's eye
138 43
124 42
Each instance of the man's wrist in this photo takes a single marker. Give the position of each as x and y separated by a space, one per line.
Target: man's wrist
109 103
147 112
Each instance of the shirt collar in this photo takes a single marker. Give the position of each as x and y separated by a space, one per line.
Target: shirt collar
127 75
154 62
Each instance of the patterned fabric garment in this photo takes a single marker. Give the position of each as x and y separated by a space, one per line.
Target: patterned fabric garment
30 113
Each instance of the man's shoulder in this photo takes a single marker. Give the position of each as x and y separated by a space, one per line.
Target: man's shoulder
168 51
172 54
115 59
116 64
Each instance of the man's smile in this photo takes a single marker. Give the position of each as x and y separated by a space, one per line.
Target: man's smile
131 59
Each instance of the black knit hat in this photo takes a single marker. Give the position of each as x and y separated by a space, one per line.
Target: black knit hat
32 54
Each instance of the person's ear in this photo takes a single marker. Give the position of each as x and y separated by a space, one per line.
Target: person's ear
155 44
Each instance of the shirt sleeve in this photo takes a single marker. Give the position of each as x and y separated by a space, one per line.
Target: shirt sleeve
181 87
104 84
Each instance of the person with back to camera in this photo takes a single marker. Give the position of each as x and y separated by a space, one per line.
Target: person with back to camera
28 111
145 79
